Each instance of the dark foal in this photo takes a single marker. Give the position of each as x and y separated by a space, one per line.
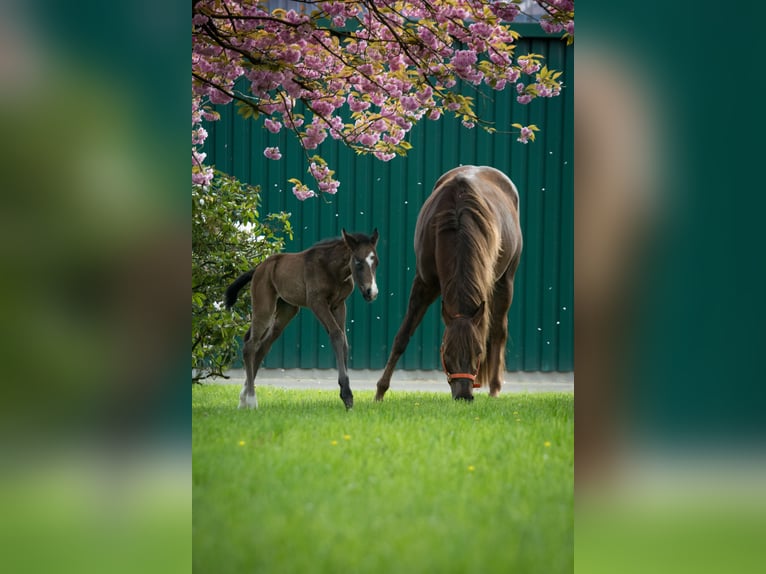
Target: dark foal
320 278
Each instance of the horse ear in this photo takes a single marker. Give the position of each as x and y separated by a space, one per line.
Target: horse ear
350 241
479 313
375 237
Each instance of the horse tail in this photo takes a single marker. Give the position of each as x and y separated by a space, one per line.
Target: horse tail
230 297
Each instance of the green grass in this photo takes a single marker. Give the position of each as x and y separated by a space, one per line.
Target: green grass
417 483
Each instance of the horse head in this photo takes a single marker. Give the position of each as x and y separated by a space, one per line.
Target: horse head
364 261
462 350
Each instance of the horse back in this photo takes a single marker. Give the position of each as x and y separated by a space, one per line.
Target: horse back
281 275
492 194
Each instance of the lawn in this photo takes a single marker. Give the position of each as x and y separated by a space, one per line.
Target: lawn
417 483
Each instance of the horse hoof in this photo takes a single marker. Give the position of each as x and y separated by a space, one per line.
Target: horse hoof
248 402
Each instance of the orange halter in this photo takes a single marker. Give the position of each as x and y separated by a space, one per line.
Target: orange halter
469 376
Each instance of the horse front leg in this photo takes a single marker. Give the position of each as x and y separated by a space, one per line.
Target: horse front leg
498 334
337 333
421 297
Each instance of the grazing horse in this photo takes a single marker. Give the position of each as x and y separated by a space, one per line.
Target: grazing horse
468 245
320 278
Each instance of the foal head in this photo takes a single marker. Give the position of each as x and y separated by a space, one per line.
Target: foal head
462 351
364 261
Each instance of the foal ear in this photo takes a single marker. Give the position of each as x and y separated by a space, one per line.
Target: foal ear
350 241
375 237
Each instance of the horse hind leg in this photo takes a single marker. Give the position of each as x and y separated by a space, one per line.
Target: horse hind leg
257 343
247 396
284 314
252 355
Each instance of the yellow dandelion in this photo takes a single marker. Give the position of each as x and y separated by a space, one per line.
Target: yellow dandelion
333 442
241 443
471 468
547 444
346 437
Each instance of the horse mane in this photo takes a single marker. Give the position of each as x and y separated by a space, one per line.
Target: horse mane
472 245
327 242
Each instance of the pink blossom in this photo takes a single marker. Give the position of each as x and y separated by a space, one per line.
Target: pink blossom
409 103
330 186
464 58
528 66
550 26
542 90
356 105
383 156
369 139
295 56
323 107
272 153
319 171
314 136
524 135
202 176
272 125
199 136
198 157
499 58
292 122
218 97
481 29
302 192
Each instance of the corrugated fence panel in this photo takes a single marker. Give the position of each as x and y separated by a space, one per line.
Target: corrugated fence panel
389 195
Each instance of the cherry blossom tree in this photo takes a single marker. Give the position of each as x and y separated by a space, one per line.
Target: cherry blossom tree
360 71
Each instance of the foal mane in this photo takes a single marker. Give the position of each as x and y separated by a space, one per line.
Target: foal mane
472 246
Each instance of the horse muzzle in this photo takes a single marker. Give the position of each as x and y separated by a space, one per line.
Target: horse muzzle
462 389
369 293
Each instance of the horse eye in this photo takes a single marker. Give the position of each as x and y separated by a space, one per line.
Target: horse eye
358 264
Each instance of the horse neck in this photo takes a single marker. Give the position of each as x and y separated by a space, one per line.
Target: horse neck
336 255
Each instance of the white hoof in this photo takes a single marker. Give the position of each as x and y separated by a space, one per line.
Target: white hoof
248 402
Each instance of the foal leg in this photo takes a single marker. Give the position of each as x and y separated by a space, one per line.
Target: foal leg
421 297
498 333
262 323
328 317
284 314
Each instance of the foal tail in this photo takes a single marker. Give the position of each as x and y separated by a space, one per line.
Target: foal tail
230 297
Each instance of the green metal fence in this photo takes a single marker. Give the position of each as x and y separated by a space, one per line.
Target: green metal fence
389 195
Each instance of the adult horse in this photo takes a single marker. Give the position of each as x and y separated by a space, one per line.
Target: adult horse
320 278
468 245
